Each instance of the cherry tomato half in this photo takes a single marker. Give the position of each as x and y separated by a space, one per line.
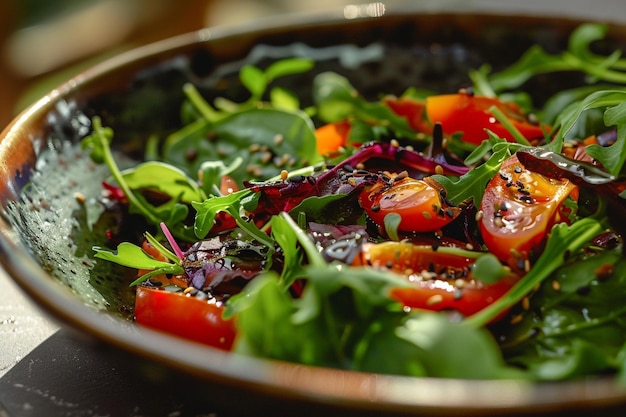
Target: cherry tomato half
419 203
519 208
470 115
440 281
188 317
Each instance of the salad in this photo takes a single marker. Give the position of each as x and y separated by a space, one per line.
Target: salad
463 234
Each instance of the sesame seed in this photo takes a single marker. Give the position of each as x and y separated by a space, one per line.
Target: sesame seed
498 222
516 319
439 170
526 303
266 157
434 299
284 174
394 143
556 285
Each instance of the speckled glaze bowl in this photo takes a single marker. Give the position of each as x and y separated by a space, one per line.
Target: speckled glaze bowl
44 240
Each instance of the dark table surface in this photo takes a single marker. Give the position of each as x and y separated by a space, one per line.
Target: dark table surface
66 376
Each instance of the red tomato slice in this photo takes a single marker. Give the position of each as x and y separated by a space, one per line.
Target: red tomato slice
519 208
418 202
468 114
185 316
440 281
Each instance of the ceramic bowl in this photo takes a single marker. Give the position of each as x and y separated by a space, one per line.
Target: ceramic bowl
45 241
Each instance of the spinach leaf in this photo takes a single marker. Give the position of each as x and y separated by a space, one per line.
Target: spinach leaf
575 321
265 141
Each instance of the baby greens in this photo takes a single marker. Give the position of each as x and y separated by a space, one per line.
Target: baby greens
343 315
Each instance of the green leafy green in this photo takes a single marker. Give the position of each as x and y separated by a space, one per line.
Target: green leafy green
172 212
472 184
336 99
264 141
578 57
132 256
563 240
164 178
574 328
488 269
233 204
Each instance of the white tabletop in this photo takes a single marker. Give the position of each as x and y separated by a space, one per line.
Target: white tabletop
22 325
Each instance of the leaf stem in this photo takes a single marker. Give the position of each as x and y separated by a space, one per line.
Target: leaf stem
116 173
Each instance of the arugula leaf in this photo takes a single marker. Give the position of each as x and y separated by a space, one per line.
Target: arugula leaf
578 57
599 99
132 256
472 184
233 204
613 157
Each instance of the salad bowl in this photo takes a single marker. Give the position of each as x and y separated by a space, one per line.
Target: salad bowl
51 196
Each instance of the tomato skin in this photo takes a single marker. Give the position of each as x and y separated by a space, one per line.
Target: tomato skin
519 208
439 281
332 137
470 115
418 202
184 316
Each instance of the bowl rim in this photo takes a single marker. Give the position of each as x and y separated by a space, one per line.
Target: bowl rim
282 380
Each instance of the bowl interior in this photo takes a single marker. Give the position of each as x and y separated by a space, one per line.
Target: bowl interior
50 189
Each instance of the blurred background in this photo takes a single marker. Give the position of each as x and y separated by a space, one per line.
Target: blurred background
43 42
